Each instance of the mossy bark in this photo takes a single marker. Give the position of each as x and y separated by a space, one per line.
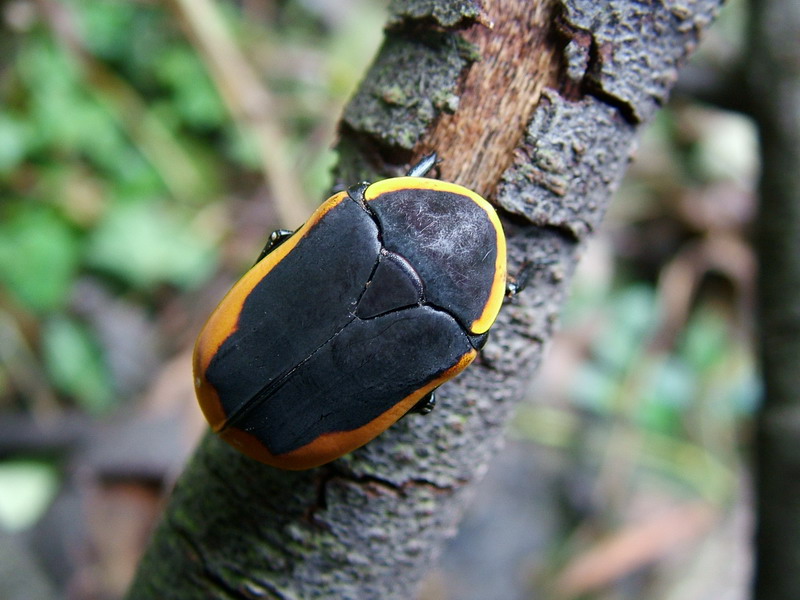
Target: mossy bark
533 103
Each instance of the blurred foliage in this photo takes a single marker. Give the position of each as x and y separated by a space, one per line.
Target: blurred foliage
122 169
82 193
115 144
34 484
74 363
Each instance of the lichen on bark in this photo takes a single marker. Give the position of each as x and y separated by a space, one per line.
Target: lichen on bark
445 14
414 78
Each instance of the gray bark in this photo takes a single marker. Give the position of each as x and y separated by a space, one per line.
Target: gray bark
539 113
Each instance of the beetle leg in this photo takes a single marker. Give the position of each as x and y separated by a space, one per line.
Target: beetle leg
519 282
425 405
425 164
276 238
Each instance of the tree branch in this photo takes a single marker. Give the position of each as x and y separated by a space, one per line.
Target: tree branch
534 104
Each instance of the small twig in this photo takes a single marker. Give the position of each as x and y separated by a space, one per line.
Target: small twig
249 103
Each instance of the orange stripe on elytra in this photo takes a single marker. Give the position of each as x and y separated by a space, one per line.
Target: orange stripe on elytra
223 321
330 446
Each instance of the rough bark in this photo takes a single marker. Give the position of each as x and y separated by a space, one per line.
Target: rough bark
534 104
774 101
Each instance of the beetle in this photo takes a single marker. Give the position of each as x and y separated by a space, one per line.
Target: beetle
345 325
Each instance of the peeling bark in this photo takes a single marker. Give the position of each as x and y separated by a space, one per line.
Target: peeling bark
534 104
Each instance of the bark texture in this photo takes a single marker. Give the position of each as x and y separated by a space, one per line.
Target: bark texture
534 104
774 101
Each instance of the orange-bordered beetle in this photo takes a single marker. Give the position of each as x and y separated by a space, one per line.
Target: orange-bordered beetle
345 325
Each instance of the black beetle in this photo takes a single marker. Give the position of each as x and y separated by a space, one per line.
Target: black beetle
345 325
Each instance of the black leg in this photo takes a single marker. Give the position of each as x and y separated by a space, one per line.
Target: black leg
516 284
425 164
425 405
276 238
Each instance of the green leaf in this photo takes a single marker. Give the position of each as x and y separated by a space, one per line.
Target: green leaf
672 383
38 257
107 27
195 97
706 340
671 388
13 142
594 388
145 244
75 364
26 489
634 312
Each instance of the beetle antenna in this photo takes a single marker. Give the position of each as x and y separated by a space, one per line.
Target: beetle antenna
425 164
